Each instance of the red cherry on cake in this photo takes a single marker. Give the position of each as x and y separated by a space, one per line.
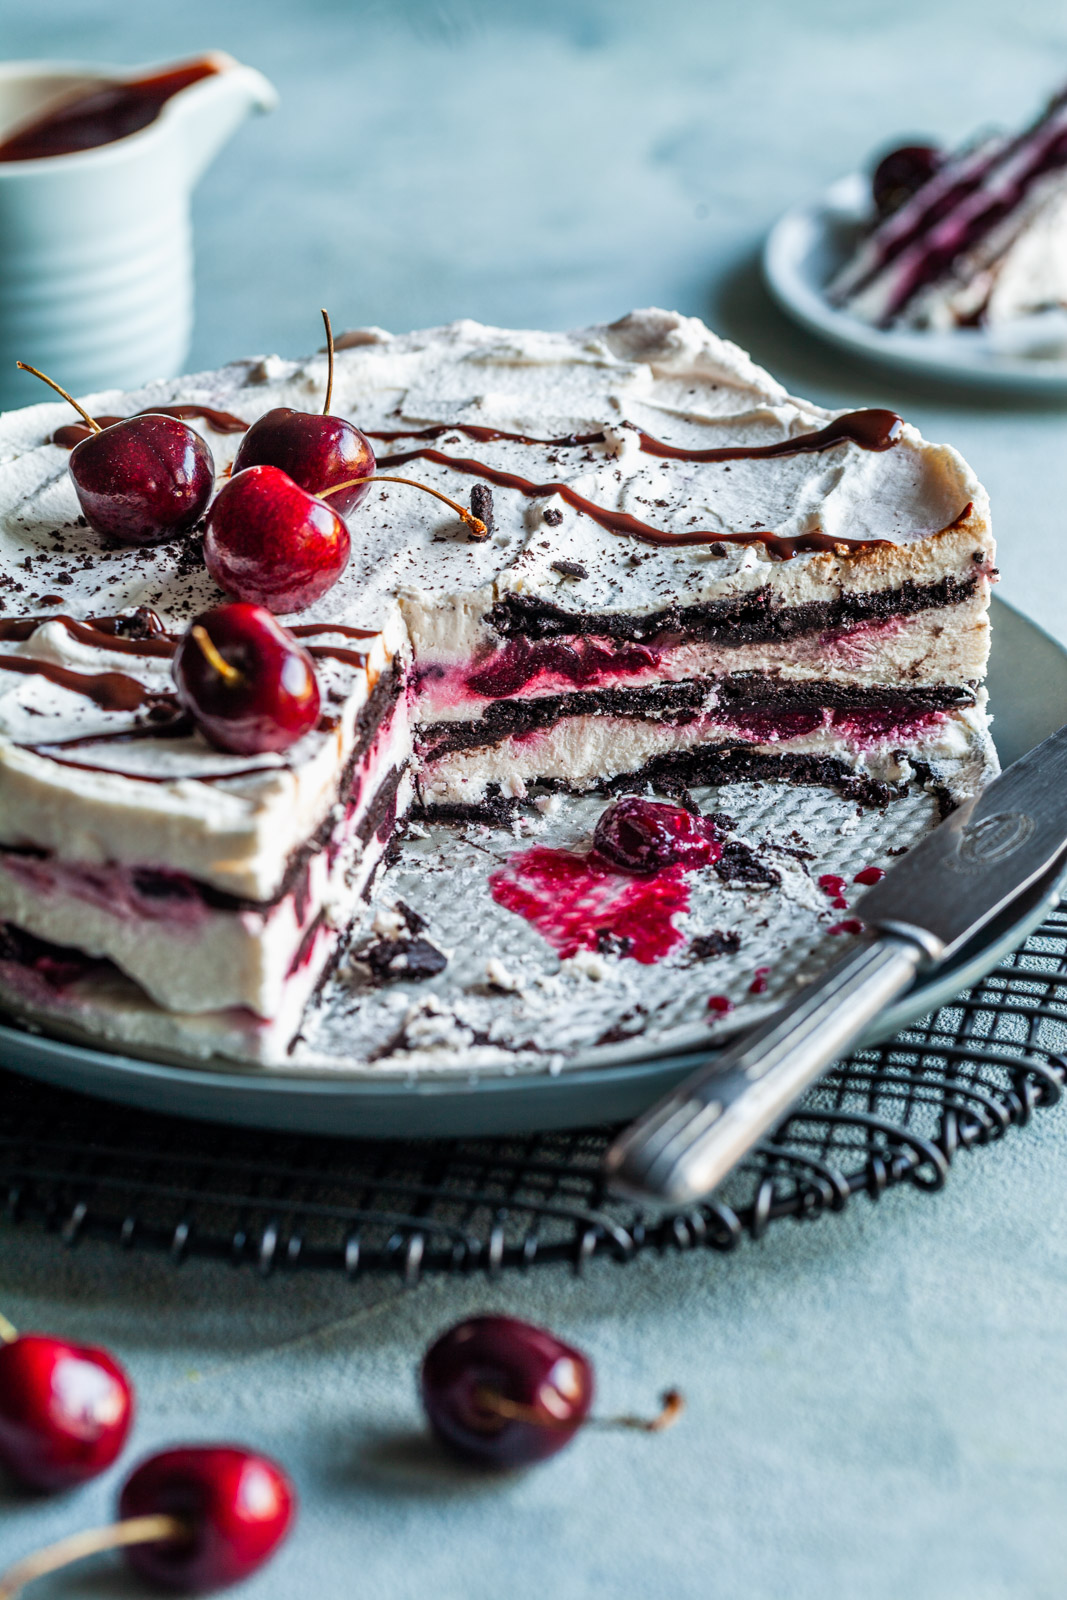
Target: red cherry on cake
270 542
236 1506
646 836
245 681
318 452
901 173
142 480
505 1392
65 1410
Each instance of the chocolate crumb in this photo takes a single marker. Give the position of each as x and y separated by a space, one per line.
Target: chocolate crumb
739 864
897 850
570 569
719 942
482 505
629 1026
415 959
613 944
553 516
415 922
139 624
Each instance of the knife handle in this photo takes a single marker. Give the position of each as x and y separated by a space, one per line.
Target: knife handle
679 1150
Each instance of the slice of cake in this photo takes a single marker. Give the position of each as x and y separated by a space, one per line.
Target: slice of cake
218 883
974 237
689 578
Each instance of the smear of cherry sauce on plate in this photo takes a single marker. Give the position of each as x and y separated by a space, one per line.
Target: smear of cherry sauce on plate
622 896
834 886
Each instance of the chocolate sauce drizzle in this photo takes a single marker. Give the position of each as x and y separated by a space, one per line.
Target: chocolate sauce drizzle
111 691
99 633
872 430
72 433
335 652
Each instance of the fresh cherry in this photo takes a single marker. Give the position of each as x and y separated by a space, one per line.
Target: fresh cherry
65 1410
245 681
141 480
318 452
504 1392
195 1518
237 1507
645 836
901 173
271 542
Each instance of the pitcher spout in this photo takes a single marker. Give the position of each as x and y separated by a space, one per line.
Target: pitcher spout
203 116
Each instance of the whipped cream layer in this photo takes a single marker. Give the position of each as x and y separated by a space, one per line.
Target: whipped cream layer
586 752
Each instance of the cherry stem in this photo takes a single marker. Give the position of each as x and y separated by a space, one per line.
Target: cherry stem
672 1404
8 1331
329 358
69 398
117 1536
476 525
216 659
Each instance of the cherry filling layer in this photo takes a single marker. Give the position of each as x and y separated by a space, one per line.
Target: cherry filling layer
54 966
621 897
539 666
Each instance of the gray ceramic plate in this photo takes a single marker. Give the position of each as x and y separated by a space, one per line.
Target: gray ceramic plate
1028 689
805 248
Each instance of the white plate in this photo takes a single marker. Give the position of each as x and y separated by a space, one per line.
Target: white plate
1028 688
805 248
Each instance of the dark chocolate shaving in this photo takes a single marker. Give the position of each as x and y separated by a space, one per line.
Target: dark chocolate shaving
392 959
482 506
570 569
553 516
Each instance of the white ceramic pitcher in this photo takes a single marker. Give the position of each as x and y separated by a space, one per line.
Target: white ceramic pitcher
96 258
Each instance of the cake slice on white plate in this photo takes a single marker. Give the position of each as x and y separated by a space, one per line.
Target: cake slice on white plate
690 578
975 237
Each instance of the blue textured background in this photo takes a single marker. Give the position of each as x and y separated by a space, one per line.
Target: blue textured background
877 1401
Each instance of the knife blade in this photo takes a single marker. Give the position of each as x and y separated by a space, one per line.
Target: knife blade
945 890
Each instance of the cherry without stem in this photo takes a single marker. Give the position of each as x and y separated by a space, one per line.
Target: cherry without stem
246 682
319 453
65 1410
644 837
901 173
142 480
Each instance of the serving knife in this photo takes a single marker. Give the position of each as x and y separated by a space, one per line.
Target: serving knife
955 881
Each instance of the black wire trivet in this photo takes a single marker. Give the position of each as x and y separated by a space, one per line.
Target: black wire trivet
896 1114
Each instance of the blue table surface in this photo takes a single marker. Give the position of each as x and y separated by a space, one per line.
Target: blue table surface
877 1400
